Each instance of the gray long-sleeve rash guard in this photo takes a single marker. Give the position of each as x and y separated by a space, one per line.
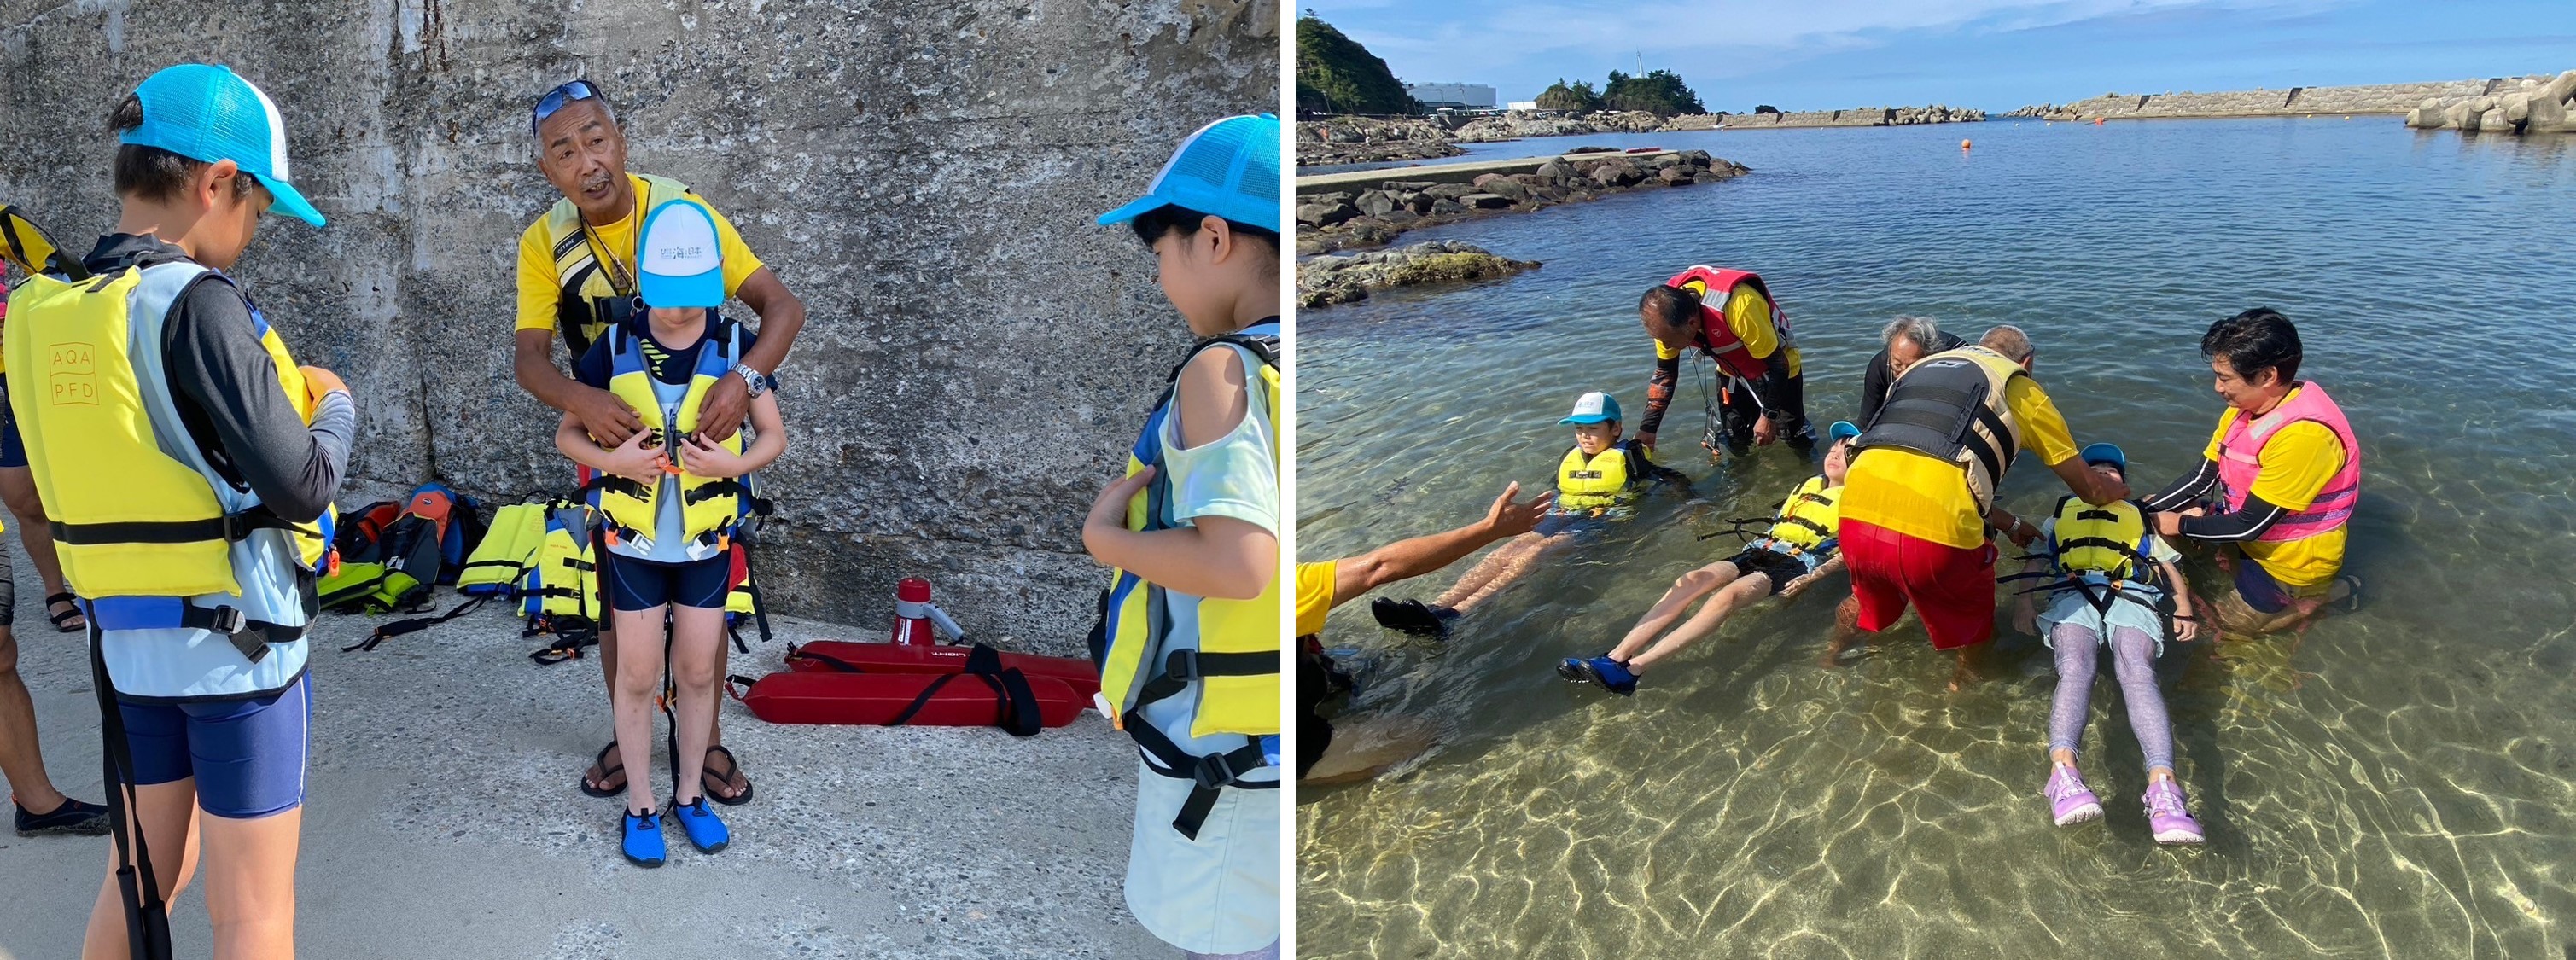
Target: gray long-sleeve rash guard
217 369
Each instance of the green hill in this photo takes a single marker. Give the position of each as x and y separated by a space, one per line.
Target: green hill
1337 75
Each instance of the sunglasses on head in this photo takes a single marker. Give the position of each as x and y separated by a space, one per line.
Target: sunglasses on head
558 97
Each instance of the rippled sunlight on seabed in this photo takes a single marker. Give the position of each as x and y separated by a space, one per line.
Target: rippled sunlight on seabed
2393 783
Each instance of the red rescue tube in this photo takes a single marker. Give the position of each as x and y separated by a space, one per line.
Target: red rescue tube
936 658
874 699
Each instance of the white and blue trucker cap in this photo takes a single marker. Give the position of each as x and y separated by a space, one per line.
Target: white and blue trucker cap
210 114
681 264
1228 169
1594 407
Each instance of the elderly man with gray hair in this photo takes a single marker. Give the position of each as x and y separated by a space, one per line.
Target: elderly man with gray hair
1906 339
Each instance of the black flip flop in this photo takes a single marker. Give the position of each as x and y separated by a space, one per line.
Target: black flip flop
72 614
724 781
605 772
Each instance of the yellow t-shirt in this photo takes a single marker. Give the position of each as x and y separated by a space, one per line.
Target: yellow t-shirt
2296 464
1750 317
1921 497
541 289
1315 595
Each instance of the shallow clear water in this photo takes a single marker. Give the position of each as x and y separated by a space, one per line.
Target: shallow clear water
2394 783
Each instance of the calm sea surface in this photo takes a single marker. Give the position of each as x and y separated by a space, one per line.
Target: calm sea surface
2395 783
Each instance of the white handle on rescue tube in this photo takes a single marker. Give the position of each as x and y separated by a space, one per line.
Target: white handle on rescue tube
939 619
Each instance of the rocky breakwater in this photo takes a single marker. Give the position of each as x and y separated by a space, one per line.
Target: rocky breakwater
1327 280
1377 211
2531 105
2389 98
1854 117
1523 123
1337 140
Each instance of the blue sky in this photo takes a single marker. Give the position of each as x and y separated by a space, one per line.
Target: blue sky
1993 54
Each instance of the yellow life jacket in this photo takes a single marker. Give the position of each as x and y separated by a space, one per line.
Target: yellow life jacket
1950 406
2110 540
1234 670
509 546
1809 519
709 507
596 292
564 580
148 532
1591 483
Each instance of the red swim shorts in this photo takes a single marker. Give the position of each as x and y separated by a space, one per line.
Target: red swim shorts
1953 590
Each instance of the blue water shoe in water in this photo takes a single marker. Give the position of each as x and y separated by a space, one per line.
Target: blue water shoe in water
1610 674
643 838
705 832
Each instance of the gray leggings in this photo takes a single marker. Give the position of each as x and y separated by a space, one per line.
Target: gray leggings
2132 658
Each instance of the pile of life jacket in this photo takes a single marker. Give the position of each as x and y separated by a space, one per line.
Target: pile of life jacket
541 553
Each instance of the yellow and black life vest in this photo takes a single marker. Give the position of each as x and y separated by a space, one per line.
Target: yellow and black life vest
509 547
1231 667
150 535
596 291
1809 519
1950 406
1602 480
2110 540
710 507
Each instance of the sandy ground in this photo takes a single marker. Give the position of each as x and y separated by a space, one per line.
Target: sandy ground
442 821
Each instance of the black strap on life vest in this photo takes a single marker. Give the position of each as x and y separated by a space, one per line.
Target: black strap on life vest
1934 410
1211 772
147 917
229 528
1017 704
396 628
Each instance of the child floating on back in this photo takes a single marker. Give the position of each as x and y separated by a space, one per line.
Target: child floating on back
1598 481
1799 548
2099 567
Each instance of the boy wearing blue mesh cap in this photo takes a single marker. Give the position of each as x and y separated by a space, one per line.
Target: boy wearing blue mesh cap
1189 636
188 465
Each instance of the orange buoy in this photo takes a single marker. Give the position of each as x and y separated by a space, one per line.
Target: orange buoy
2097 121
1963 144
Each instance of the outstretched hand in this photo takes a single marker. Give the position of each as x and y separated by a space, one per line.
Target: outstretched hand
1507 518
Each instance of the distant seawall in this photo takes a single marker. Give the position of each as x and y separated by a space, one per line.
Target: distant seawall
1854 117
2394 98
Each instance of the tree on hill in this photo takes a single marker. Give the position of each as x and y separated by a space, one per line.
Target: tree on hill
1578 98
1660 92
1337 75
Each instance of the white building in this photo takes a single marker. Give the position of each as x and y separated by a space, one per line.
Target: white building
1467 96
1523 105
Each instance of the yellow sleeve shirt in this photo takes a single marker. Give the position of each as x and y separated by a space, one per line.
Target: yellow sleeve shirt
1314 595
1749 316
2294 466
1928 499
541 289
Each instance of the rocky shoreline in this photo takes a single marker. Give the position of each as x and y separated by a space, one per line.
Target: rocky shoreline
2392 98
1344 140
2526 107
1374 215
1327 280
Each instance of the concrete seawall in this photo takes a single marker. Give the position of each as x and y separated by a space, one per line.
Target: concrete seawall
977 353
2296 101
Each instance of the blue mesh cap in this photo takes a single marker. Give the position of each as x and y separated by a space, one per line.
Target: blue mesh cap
2106 453
209 114
1228 169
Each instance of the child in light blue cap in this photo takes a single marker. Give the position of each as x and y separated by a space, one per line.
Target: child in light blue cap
1193 532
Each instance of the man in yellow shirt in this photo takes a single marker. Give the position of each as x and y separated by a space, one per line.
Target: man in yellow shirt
1763 390
1920 497
2287 462
577 269
1369 749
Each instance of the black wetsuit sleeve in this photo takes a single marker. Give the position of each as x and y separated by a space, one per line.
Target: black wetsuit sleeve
2183 491
225 386
1873 388
2247 523
1659 392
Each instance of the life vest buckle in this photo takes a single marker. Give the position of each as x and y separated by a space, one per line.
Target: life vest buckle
1213 771
1182 665
227 620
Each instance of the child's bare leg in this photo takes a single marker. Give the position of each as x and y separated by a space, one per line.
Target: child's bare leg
1745 590
1512 569
699 634
1487 569
1687 588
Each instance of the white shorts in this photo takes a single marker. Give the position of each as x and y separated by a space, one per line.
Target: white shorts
1218 893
